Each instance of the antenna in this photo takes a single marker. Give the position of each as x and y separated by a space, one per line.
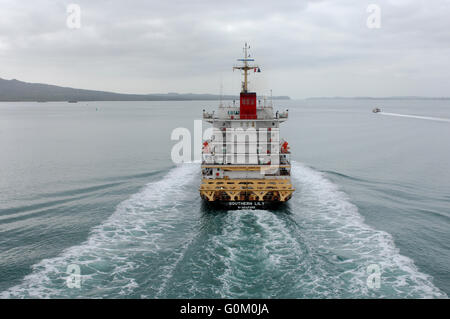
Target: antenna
221 90
271 98
246 67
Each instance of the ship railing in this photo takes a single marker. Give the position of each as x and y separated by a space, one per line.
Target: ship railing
241 160
219 144
258 153
264 101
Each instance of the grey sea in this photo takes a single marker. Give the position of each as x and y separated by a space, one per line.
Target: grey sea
91 186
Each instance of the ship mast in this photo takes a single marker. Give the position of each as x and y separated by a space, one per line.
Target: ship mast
246 67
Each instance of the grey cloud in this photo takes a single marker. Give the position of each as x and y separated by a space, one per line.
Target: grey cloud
306 47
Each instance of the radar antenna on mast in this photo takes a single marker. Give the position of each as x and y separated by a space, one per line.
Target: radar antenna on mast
246 67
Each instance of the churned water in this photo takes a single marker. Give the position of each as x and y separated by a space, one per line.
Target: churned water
92 185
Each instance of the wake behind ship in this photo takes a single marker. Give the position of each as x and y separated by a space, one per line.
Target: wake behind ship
245 164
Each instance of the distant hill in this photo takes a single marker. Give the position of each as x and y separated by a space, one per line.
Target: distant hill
14 90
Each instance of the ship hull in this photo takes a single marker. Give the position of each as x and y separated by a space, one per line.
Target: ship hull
244 205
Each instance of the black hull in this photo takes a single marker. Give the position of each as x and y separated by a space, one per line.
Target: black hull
238 205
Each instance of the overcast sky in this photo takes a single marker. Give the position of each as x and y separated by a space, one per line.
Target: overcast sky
304 48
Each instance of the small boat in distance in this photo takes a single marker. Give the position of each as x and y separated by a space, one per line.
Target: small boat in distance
376 110
72 101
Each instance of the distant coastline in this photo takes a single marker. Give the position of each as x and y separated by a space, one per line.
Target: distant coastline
18 91
379 98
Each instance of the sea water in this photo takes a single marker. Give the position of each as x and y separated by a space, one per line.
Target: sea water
91 185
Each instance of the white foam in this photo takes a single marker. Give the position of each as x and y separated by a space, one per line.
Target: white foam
334 225
321 250
257 244
430 118
136 227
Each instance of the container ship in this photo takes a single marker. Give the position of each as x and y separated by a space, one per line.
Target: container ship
245 164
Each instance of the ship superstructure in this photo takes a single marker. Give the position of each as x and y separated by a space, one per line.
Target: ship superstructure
245 164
